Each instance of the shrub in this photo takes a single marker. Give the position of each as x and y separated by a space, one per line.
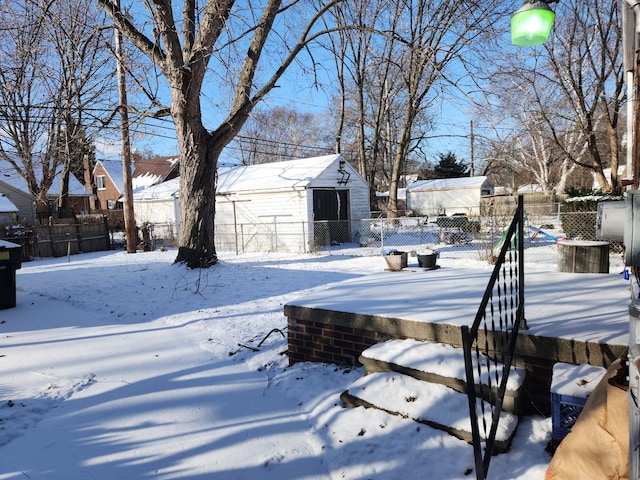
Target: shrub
578 212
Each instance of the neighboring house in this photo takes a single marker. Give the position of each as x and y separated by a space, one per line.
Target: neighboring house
448 196
24 202
8 211
152 171
78 194
283 206
109 184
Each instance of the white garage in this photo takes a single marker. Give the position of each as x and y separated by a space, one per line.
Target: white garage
448 196
291 206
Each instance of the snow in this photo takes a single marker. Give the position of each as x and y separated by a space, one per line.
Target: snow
436 358
563 305
288 174
7 205
126 365
424 402
575 380
447 183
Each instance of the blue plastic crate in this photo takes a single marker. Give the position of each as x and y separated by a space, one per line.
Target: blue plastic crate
565 410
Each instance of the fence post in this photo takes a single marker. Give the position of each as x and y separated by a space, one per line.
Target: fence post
305 242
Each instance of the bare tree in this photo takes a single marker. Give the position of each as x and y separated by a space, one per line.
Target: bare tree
560 105
186 46
78 82
282 133
25 115
55 71
585 65
518 110
400 61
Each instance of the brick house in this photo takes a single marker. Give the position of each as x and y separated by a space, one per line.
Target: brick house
108 184
152 171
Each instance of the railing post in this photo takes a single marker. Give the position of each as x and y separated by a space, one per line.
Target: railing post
511 318
467 343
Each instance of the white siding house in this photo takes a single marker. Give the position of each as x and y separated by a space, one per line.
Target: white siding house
291 206
448 196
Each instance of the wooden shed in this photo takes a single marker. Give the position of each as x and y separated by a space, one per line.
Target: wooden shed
448 196
294 206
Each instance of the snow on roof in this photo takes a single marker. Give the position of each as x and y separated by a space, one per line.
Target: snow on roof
448 183
161 191
402 194
9 175
7 205
273 176
152 171
114 170
290 174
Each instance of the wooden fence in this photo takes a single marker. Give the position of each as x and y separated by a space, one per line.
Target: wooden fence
60 237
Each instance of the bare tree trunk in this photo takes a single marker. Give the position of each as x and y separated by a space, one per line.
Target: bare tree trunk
199 153
182 51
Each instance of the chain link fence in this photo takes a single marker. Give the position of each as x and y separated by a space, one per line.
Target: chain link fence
457 236
480 237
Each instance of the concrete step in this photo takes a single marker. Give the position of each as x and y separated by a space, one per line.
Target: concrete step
431 404
435 363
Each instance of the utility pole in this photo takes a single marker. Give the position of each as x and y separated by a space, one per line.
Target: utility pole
471 170
129 218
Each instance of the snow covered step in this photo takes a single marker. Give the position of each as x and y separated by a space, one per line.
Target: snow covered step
428 403
433 362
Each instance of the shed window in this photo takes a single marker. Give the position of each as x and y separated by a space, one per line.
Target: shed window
101 182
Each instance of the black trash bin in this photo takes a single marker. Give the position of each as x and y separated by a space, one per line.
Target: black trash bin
10 261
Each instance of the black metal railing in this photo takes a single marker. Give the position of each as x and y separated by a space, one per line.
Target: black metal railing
489 344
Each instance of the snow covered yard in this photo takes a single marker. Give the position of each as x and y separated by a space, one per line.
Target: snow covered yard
125 365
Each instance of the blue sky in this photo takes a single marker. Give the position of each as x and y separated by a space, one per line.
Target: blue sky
450 132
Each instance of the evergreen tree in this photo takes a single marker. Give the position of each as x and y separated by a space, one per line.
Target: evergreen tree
450 167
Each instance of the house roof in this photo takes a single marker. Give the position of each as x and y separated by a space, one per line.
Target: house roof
9 175
449 183
152 171
7 205
161 191
242 178
114 170
273 176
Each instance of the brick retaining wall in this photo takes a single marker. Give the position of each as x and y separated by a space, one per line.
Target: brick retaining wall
317 335
312 341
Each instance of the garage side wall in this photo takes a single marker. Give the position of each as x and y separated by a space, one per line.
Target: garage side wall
161 213
273 221
444 201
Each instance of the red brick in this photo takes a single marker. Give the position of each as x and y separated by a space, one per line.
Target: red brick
331 349
309 330
340 328
343 344
353 338
330 332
